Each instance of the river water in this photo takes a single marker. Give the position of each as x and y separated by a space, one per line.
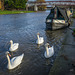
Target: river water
23 28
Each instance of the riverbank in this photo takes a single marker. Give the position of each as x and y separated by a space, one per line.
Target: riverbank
14 12
73 14
65 61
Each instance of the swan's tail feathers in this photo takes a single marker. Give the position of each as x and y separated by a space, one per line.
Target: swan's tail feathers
52 48
23 55
18 44
41 39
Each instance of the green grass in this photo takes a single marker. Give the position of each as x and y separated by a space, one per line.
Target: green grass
73 15
14 12
73 30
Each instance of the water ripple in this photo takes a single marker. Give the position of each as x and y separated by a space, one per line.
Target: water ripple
23 28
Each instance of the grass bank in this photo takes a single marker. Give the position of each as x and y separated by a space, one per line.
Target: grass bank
73 14
14 12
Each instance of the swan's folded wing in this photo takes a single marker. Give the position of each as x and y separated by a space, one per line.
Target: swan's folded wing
15 46
12 60
41 39
16 60
52 48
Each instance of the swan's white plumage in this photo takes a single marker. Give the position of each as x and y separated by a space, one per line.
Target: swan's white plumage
15 61
13 46
49 51
39 40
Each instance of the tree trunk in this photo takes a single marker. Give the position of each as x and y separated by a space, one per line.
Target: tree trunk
2 5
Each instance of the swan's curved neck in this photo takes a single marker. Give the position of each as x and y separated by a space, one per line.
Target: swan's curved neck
8 61
38 37
11 43
47 50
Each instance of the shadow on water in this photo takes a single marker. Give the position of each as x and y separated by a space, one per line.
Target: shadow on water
23 28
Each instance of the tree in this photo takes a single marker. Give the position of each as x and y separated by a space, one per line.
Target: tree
15 4
2 4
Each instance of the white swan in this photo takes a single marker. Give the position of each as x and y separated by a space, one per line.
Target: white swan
40 40
14 62
13 46
49 51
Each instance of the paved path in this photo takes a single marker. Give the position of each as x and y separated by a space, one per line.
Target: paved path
65 61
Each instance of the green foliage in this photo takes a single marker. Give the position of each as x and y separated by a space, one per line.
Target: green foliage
15 4
73 14
73 30
10 4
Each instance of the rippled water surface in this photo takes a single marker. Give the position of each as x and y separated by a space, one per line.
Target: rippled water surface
23 28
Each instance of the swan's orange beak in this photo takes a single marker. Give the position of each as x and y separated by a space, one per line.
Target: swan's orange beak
9 55
38 33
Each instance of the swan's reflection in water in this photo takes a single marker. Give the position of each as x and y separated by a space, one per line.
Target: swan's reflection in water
54 38
47 61
39 45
